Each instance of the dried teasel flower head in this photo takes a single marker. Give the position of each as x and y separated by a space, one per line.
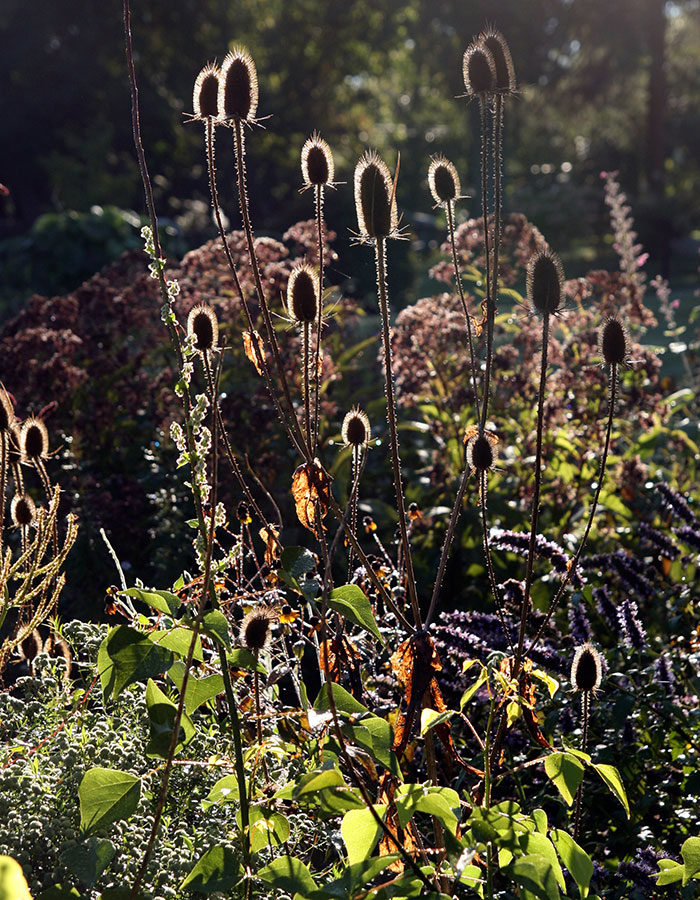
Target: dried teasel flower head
34 439
206 93
443 180
586 668
375 201
496 44
203 325
614 342
7 412
356 429
238 87
302 294
481 449
255 629
22 510
478 70
545 283
317 166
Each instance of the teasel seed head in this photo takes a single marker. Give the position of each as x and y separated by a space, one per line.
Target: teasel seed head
317 166
7 412
206 93
375 201
496 44
586 668
356 428
443 180
22 510
255 629
545 283
478 70
614 342
34 439
238 87
481 452
302 294
202 323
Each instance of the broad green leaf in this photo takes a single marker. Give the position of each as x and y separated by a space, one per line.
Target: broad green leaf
538 844
215 625
671 871
61 892
534 873
164 601
361 832
126 656
352 603
575 858
13 884
435 801
267 829
429 718
690 851
89 860
240 658
472 876
178 640
382 739
566 772
540 819
611 777
199 690
297 561
287 873
107 795
224 791
161 714
217 870
344 702
356 876
481 678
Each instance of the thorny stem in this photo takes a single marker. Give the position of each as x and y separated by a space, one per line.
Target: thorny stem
3 482
591 515
490 312
306 383
489 561
584 741
380 256
358 464
487 794
318 197
497 165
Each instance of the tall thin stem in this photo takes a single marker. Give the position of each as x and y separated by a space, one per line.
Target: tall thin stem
306 360
490 314
380 256
497 171
489 561
318 197
584 740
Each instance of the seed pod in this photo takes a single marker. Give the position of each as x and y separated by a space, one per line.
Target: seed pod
206 93
614 342
496 44
238 87
480 451
478 70
587 668
443 180
356 428
302 294
375 202
545 283
34 439
22 510
317 162
255 629
202 323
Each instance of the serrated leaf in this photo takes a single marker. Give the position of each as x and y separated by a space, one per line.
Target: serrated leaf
361 831
576 860
164 601
127 656
353 604
289 874
199 690
105 796
178 640
690 851
611 777
566 772
217 870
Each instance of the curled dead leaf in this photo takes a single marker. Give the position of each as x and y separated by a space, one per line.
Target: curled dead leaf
311 487
273 547
254 349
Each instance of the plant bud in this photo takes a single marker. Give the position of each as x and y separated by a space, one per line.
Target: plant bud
495 43
206 92
302 294
22 510
356 428
478 70
375 202
238 87
586 669
480 452
545 283
317 162
614 342
202 323
34 439
255 629
443 180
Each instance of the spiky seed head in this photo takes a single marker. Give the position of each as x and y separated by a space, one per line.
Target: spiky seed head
356 428
375 201
7 412
443 180
302 294
480 452
255 629
545 283
238 87
317 166
22 510
203 324
496 44
206 93
587 668
614 342
478 70
34 439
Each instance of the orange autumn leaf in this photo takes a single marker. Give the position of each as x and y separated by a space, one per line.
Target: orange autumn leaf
273 548
311 490
254 351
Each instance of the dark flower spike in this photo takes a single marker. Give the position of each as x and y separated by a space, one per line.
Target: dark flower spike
545 283
302 295
255 629
586 668
206 93
203 325
614 342
479 70
238 87
496 44
317 167
443 181
633 635
34 439
375 198
356 428
22 510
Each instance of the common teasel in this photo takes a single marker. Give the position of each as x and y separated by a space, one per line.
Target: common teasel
481 449
356 428
586 668
478 70
614 342
443 180
317 167
238 87
7 412
34 439
203 325
205 97
256 628
302 294
497 46
22 510
545 283
375 200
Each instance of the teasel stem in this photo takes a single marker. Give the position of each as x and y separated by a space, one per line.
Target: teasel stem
487 254
489 561
487 792
307 385
359 458
497 172
4 453
380 256
438 830
239 146
584 740
46 484
318 197
591 515
259 355
258 714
